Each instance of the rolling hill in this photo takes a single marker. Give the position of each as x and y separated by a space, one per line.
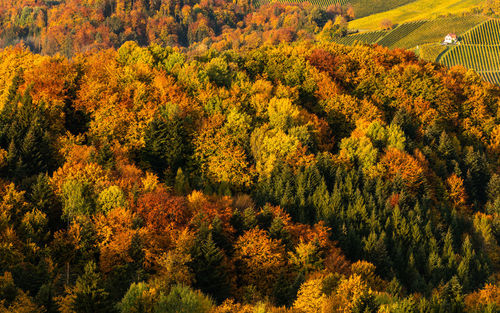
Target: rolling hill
321 3
487 33
434 31
478 45
361 8
364 8
479 50
414 11
399 33
366 37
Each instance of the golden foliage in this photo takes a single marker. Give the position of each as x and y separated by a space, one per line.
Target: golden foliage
115 231
310 298
457 193
349 291
398 163
367 272
488 295
259 256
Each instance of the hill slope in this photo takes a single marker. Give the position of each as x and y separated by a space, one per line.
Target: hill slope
435 30
478 47
361 8
356 159
366 37
488 33
364 8
417 10
479 50
399 32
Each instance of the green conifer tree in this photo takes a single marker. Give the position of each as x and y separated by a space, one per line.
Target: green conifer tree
89 294
209 267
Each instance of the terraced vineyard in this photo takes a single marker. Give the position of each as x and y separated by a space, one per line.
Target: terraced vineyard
399 33
434 31
320 3
367 7
431 52
368 37
487 33
361 7
479 47
418 34
478 57
479 50
492 77
415 11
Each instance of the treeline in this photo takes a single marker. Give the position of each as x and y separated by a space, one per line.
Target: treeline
290 178
76 26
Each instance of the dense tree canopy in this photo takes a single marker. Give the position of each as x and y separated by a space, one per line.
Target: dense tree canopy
75 26
228 177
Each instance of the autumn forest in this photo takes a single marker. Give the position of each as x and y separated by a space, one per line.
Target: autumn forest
209 156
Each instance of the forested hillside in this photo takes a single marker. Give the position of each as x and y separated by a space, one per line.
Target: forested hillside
215 157
311 176
76 26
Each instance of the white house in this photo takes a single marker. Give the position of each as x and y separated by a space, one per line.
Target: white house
450 39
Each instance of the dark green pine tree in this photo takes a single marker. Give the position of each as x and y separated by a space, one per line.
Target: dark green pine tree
277 231
122 276
301 190
471 271
367 303
45 296
314 179
446 148
209 267
286 287
181 184
265 218
449 299
413 277
448 255
477 177
36 154
336 206
12 158
375 251
321 201
90 296
435 268
493 205
219 236
166 146
287 200
24 133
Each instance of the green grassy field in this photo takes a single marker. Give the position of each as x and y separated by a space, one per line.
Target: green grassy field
434 31
414 11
